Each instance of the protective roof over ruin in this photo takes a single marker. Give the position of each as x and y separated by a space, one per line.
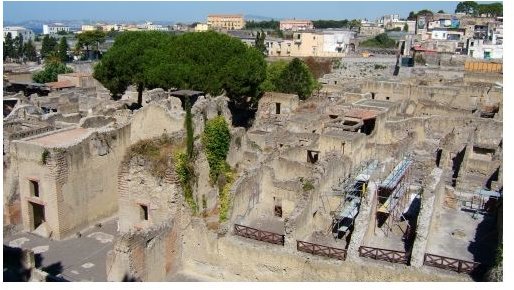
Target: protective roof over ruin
361 114
61 138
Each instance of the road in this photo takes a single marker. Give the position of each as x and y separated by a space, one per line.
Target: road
74 259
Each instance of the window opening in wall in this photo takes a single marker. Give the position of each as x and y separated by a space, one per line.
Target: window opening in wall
368 126
387 98
333 116
438 155
372 96
483 151
34 188
312 156
143 212
277 108
278 207
350 123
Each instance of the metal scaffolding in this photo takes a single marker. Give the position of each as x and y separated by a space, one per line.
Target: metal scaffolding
353 191
393 198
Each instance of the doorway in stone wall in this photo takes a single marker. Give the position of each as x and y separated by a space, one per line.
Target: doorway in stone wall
37 213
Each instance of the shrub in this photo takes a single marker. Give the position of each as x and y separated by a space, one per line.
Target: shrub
186 177
307 185
50 72
44 156
216 141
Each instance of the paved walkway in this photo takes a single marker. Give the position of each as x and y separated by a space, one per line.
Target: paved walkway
74 259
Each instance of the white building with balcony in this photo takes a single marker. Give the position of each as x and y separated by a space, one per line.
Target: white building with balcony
51 29
17 31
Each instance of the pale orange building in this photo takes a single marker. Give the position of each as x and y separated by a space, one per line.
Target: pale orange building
226 21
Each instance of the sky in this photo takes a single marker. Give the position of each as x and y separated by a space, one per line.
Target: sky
192 11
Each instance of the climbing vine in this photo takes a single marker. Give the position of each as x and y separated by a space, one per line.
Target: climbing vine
216 141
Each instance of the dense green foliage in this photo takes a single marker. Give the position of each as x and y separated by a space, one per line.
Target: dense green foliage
90 40
322 24
8 46
131 61
210 62
345 23
63 49
29 51
185 172
423 12
475 9
381 41
48 45
216 141
273 72
296 78
15 49
50 72
272 24
259 42
224 193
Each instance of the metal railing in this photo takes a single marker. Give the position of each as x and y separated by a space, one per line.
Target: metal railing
321 250
384 255
258 235
447 263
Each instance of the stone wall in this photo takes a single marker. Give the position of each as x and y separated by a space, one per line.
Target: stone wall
220 259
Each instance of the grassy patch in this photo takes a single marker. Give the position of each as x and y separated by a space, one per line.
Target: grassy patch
158 151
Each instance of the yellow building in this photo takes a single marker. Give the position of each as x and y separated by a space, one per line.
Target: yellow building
228 22
316 44
201 27
88 27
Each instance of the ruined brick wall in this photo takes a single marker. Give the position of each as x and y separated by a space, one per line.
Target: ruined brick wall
150 255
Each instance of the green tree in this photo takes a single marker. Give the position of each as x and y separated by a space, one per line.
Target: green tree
406 27
272 24
425 12
18 47
440 11
129 61
8 46
50 72
296 78
322 24
273 72
468 7
210 62
381 40
90 40
30 51
48 45
259 42
412 16
491 10
354 24
63 49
